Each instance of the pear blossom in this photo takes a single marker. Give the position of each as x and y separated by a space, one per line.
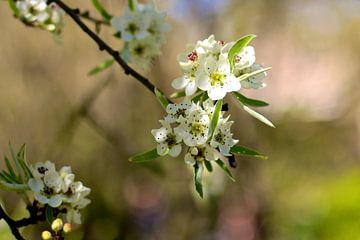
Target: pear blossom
245 58
39 13
141 51
168 141
217 78
222 137
255 81
201 153
177 110
194 129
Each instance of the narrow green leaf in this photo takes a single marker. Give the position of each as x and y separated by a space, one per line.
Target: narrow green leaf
99 7
161 98
198 172
254 73
246 151
17 163
13 186
23 162
10 178
49 214
132 5
102 66
249 101
258 116
238 46
14 8
178 94
223 166
215 117
146 156
9 167
208 165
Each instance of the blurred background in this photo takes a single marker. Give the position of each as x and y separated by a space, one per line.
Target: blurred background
308 189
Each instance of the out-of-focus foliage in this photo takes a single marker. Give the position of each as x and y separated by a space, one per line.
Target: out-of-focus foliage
307 189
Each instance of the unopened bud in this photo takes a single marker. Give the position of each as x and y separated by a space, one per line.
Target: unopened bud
46 235
57 225
67 228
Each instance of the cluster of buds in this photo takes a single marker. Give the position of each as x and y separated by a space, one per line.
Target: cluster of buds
59 228
206 67
143 29
58 189
40 14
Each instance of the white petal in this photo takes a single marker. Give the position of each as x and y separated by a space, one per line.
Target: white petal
202 81
159 134
233 84
190 88
216 93
162 149
35 185
180 83
189 159
55 201
175 150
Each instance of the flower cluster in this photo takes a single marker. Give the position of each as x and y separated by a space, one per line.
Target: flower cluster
189 123
58 189
206 67
38 13
143 31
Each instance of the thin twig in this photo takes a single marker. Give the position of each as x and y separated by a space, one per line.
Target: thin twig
103 46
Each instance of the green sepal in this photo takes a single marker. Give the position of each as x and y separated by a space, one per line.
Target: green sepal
237 47
223 166
49 214
247 75
198 173
237 149
208 166
178 94
249 101
161 98
258 116
99 7
145 156
215 117
102 66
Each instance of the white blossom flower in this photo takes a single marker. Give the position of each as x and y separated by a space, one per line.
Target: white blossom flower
245 58
73 214
194 129
201 153
131 25
67 177
255 81
217 78
177 110
168 141
142 51
40 168
222 137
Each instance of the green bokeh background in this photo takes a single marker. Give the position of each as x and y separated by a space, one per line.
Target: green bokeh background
308 189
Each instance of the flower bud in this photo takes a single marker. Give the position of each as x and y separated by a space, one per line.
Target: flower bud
57 225
67 227
46 235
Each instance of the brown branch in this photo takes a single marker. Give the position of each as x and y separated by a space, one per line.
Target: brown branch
103 46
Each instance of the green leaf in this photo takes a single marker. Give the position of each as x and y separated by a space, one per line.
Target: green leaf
8 178
198 172
102 66
13 186
215 117
247 75
49 214
208 165
249 101
146 156
9 167
17 163
178 94
203 96
162 99
132 5
246 151
101 10
14 8
238 46
223 166
258 116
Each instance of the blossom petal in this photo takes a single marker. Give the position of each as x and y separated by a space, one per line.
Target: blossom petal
190 88
175 150
180 83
